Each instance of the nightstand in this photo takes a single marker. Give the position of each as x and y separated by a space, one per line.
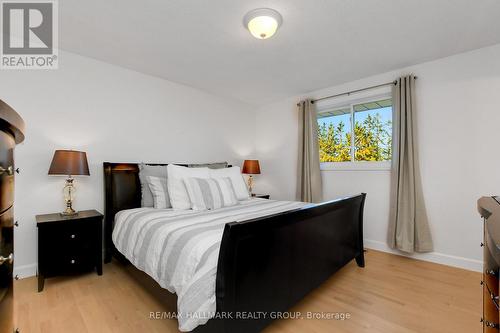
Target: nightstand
261 196
69 244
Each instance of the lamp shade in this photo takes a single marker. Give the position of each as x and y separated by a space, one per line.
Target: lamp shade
69 163
251 167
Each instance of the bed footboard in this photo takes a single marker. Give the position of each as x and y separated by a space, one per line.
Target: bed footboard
267 265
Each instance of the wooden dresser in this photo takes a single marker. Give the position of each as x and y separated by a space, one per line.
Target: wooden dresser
489 208
11 133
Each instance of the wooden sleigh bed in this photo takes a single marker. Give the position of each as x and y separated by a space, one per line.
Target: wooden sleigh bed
266 264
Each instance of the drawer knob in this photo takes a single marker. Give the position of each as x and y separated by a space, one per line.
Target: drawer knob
73 236
9 171
72 261
490 272
490 324
482 244
8 259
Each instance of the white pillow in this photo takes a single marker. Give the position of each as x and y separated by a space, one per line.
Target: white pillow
233 173
210 194
158 187
179 197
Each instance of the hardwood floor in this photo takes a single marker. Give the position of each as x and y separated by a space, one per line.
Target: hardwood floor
392 294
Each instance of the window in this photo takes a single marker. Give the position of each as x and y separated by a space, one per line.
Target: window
355 133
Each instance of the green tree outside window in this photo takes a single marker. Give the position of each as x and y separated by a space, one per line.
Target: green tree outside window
372 135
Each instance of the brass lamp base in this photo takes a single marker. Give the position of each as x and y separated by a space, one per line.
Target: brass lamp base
68 191
250 185
69 210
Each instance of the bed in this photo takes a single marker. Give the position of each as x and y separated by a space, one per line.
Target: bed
261 256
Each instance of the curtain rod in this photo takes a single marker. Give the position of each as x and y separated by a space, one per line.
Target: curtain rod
354 91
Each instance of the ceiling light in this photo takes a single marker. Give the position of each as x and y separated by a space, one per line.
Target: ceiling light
263 22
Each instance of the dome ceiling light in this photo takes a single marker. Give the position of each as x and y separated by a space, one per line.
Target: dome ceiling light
263 22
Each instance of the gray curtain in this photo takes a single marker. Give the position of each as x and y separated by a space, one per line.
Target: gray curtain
408 225
309 182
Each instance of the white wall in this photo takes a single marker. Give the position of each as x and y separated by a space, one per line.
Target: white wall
458 120
119 115
114 115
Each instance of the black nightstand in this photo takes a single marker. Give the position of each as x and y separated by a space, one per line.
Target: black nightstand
261 196
69 244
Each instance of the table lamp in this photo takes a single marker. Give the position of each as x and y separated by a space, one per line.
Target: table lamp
250 167
69 163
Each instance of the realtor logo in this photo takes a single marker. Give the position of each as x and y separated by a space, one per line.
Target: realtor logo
29 35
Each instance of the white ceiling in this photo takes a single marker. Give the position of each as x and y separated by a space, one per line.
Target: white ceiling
321 43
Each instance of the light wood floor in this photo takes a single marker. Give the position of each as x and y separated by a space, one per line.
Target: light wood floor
392 294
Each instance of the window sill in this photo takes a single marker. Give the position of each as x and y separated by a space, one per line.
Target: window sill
355 166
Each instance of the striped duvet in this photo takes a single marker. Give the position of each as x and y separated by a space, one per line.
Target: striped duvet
180 249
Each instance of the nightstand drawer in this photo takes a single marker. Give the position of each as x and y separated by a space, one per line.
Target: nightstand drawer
77 262
69 236
68 263
77 237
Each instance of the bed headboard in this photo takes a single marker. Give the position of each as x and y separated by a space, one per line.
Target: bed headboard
122 190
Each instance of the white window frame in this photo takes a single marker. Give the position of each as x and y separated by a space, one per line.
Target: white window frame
353 165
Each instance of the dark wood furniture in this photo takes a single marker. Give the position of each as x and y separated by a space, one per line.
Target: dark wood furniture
11 134
262 196
69 244
267 264
489 208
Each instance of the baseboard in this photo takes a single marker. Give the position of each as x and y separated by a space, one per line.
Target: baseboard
439 258
25 271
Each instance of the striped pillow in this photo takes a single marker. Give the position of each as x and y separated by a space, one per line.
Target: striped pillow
158 187
209 194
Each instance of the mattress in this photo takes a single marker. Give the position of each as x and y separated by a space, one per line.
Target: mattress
180 249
